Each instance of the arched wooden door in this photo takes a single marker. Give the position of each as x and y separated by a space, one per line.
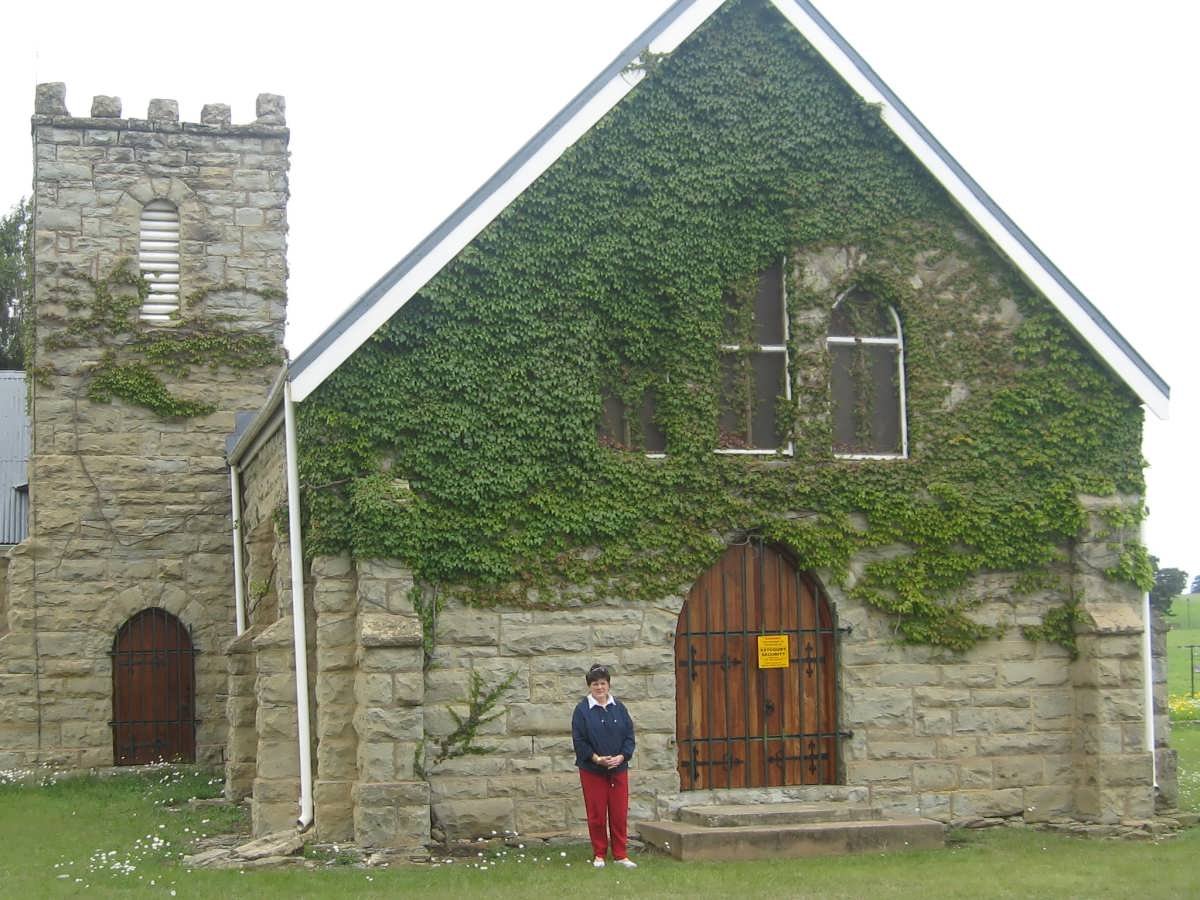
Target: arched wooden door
739 724
154 695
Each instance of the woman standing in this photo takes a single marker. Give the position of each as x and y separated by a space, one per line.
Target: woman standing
603 734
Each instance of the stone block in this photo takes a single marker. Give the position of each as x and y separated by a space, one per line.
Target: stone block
383 724
1018 744
375 826
1048 802
447 684
934 722
646 660
879 773
989 804
276 689
976 774
336 759
1126 769
1006 721
376 761
609 636
484 766
545 816
401 793
1018 771
535 765
901 749
935 806
968 676
267 818
468 626
539 718
467 819
1018 699
528 640
882 708
278 760
391 659
408 688
931 776
373 689
508 786
942 696
442 787
1038 673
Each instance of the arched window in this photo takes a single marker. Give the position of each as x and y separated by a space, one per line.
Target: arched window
158 260
866 350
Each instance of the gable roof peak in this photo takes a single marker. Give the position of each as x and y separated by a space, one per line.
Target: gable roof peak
314 364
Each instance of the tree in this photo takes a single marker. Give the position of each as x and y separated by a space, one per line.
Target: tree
1196 585
15 283
1168 584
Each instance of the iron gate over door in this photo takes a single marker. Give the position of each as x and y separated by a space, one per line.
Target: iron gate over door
154 697
739 725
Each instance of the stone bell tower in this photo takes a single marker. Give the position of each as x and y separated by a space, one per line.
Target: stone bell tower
159 304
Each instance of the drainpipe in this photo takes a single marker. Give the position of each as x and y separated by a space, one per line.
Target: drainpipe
1148 682
299 627
239 595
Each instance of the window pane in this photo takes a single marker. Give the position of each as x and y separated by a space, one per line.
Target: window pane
769 372
885 406
841 386
865 390
860 314
768 307
735 403
611 427
653 439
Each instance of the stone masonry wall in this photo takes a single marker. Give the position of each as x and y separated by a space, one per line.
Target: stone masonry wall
130 510
1012 728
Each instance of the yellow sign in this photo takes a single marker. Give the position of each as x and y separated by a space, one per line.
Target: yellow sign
773 651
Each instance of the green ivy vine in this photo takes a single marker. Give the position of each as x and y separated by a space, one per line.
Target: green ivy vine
610 276
101 313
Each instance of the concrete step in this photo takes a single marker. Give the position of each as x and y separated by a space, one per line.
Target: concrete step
687 841
743 814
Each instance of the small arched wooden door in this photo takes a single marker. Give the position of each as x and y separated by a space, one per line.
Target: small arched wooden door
740 724
154 696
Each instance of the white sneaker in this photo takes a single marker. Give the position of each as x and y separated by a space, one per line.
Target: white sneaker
598 863
625 863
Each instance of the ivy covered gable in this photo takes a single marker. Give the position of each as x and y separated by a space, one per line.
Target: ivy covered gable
494 433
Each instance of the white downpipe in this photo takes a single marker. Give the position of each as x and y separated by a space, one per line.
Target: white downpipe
1148 681
299 628
239 594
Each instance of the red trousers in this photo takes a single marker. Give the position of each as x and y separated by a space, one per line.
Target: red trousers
606 797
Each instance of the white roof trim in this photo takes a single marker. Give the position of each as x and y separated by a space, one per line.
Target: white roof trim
380 303
903 124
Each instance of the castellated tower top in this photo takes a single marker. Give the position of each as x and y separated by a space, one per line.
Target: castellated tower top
51 101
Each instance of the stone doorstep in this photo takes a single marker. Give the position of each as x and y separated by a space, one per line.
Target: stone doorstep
741 815
686 842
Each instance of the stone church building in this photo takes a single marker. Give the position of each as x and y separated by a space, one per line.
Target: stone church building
731 379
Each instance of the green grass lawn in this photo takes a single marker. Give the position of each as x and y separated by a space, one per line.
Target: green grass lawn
1185 629
122 836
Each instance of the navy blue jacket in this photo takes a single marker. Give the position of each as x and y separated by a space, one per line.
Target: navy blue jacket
604 730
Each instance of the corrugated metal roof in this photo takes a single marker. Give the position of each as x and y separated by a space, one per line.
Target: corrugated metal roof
14 459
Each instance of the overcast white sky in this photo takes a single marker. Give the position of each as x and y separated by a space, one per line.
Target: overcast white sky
1077 116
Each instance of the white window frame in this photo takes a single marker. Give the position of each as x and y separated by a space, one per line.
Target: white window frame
898 343
789 448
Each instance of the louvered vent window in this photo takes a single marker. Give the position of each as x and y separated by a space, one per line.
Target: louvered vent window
158 260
